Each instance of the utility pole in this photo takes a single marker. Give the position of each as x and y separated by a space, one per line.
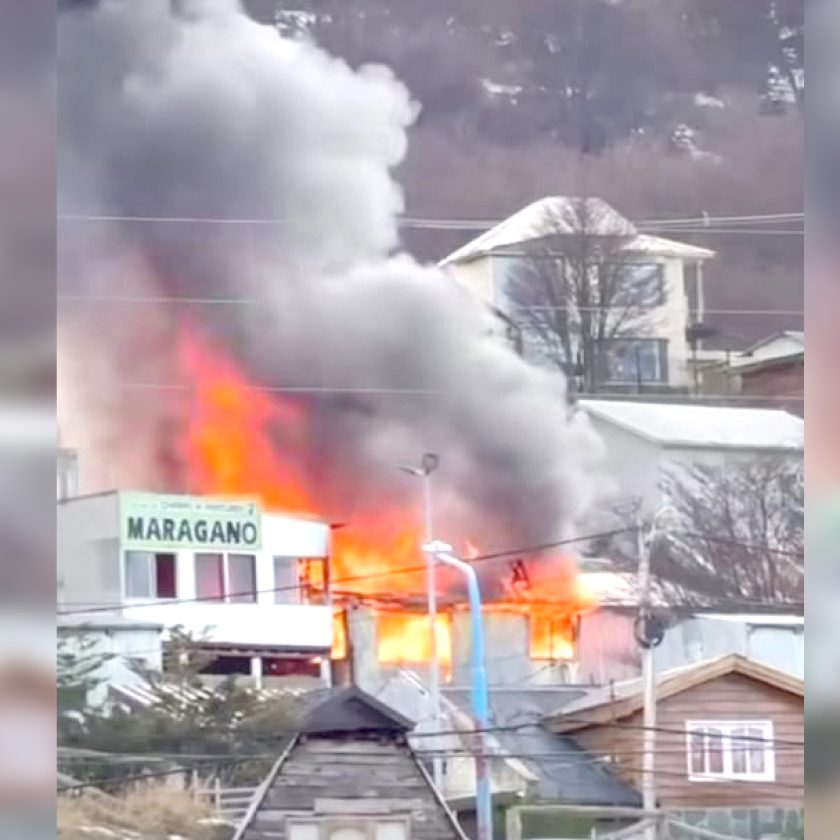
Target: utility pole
428 465
649 634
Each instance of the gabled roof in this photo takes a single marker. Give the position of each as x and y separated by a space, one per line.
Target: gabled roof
559 215
352 710
702 426
622 699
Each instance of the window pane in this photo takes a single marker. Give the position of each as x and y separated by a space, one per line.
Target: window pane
165 576
714 747
242 578
303 831
348 833
633 360
698 752
138 582
757 749
286 588
209 577
391 831
739 751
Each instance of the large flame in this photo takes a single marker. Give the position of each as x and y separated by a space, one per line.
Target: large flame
242 440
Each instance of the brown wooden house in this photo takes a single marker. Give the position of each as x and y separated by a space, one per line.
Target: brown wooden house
349 775
729 738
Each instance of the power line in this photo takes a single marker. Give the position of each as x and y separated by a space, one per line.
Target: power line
359 578
252 301
428 223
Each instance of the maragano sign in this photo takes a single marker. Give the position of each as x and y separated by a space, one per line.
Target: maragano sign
150 522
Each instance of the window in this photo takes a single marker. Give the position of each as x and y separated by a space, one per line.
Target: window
149 575
286 582
636 360
640 284
730 750
330 828
231 578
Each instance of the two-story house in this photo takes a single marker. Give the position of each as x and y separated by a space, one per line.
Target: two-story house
251 586
577 287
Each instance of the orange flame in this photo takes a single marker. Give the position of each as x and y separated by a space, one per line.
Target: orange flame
244 441
404 639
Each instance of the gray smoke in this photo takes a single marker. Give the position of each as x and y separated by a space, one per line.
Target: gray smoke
191 110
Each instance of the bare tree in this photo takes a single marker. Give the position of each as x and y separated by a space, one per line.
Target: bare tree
738 537
578 296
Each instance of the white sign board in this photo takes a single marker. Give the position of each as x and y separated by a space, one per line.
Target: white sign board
151 522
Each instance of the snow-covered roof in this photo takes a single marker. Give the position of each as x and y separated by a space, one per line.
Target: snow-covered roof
713 427
757 620
564 215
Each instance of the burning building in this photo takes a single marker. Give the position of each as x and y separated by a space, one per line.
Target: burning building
236 319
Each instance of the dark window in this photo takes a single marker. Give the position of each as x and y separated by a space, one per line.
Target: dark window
228 665
636 360
150 575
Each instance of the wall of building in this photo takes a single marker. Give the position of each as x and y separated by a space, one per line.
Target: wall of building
91 573
733 697
776 381
87 551
377 778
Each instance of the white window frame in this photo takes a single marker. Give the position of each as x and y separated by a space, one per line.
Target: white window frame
726 728
227 595
151 574
366 824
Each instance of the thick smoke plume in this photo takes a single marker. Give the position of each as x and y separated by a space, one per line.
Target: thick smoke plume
192 111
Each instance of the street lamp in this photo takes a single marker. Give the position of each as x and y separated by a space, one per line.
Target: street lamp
441 552
428 464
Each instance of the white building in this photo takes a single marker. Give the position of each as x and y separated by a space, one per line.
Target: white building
230 574
645 442
650 351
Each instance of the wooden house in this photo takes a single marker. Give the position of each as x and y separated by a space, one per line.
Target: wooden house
349 774
729 742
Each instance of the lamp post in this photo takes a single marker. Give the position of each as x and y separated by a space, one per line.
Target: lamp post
441 552
428 464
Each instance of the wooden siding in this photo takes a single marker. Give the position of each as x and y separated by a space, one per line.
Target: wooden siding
732 697
372 778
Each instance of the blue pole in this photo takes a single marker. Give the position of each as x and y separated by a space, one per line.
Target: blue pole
480 702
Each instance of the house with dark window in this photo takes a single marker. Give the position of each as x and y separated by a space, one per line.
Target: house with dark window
248 584
349 774
588 293
729 752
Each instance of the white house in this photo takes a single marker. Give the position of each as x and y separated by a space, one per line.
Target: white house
231 574
646 441
650 351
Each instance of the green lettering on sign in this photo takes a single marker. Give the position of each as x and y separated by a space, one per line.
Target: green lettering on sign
151 522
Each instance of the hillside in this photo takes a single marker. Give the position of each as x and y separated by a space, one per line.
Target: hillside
523 99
